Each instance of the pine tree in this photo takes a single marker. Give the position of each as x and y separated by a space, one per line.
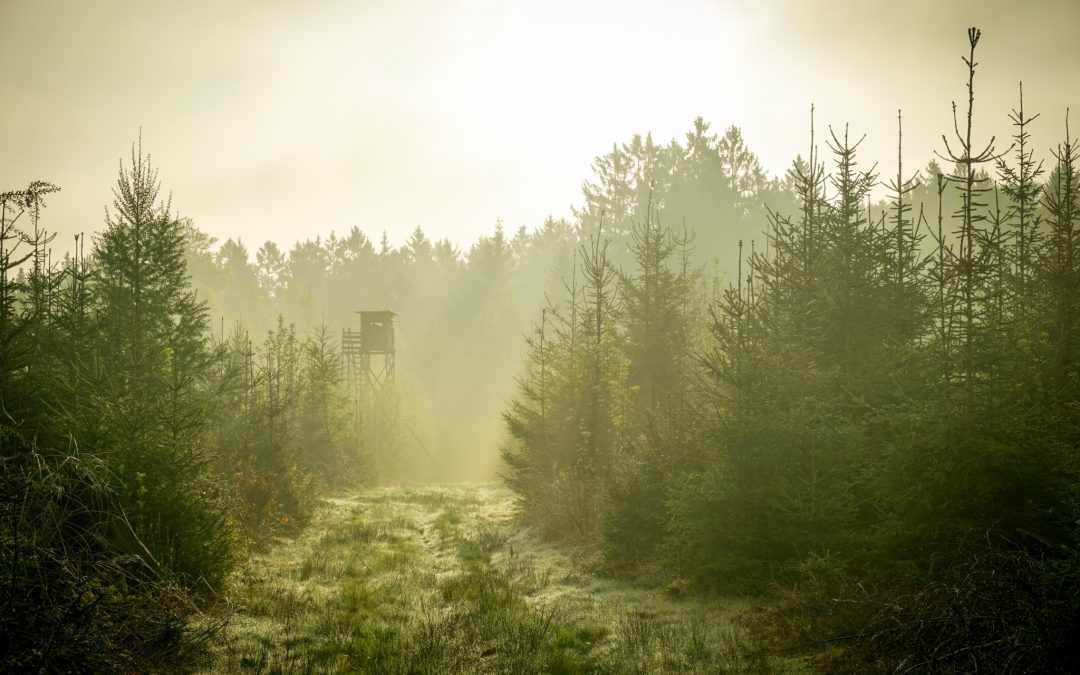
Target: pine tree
151 394
1061 271
969 260
657 334
331 451
22 306
742 169
1021 184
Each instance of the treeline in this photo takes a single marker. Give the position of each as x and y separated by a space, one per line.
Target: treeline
461 312
459 317
877 418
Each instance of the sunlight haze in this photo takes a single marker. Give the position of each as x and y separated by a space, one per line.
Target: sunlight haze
289 119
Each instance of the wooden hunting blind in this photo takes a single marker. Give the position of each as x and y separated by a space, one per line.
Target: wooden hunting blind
377 332
369 352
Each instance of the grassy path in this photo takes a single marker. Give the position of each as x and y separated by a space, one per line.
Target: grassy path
441 580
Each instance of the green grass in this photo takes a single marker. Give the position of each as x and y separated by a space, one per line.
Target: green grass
441 580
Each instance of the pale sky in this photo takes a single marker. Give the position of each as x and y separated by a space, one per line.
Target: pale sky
285 119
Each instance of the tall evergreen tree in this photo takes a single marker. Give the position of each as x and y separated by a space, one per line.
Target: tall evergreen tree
151 393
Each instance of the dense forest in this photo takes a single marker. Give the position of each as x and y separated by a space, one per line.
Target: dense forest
879 413
854 396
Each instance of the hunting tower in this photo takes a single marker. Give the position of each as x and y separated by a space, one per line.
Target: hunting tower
369 352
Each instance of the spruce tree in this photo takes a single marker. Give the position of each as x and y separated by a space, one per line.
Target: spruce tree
151 394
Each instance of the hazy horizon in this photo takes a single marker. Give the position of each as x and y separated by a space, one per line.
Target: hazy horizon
288 121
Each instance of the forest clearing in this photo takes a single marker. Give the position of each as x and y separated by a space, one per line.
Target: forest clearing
442 579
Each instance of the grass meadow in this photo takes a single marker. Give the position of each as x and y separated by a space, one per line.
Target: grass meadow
441 580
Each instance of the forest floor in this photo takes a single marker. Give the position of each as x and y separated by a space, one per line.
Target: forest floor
441 579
